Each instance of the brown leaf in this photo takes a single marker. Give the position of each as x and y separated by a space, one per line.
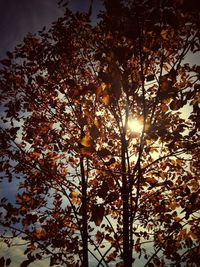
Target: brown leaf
87 151
40 233
6 62
8 262
150 77
2 262
120 264
151 181
97 214
27 262
110 162
138 246
104 152
164 108
156 261
176 104
94 132
102 192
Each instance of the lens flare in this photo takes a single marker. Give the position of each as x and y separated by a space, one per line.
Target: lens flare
135 125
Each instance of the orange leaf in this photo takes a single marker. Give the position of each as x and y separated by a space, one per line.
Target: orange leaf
164 34
23 198
40 233
86 141
73 194
75 199
151 181
164 108
106 99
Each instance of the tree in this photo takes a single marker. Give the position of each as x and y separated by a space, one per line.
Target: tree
90 186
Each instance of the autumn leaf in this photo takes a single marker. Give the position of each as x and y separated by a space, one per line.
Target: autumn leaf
87 151
104 86
106 99
164 108
27 262
164 34
8 262
75 198
156 261
6 62
86 141
97 214
120 264
94 132
138 246
176 104
164 84
20 199
104 152
167 34
110 162
73 194
112 197
2 262
40 234
36 154
150 77
151 181
102 192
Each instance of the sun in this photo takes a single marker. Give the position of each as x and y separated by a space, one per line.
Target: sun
135 125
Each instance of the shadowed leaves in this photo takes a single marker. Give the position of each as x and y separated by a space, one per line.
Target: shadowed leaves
97 214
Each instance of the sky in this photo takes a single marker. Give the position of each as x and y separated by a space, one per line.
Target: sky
18 17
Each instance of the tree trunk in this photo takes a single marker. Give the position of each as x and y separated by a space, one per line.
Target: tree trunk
125 199
84 215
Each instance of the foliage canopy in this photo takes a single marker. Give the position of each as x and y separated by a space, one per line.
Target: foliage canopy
88 184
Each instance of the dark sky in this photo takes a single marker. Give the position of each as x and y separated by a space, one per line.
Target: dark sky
18 17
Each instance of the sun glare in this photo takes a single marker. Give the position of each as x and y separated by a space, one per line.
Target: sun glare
135 125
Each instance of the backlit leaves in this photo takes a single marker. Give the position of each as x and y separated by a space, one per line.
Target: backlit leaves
40 234
74 197
152 181
106 99
167 34
67 96
24 198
